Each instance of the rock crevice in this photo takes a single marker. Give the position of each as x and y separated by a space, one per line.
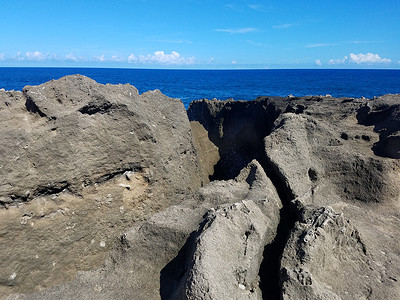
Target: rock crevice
106 194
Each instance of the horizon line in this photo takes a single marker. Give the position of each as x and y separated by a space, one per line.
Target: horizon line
186 69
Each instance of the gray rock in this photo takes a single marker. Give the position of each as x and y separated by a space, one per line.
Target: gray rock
80 162
207 152
384 114
228 248
152 259
325 152
237 128
326 258
309 183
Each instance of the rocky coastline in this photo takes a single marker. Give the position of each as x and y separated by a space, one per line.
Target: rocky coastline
106 193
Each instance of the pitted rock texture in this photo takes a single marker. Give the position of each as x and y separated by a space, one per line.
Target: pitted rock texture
324 152
80 162
303 201
384 114
324 240
153 259
229 248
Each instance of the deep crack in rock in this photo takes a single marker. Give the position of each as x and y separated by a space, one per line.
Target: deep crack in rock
238 130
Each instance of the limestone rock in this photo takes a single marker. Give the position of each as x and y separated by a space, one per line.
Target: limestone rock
80 162
325 152
228 253
237 128
228 248
207 152
152 259
326 258
302 204
384 114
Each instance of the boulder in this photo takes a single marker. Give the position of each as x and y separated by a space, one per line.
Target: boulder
154 258
322 151
302 203
80 162
326 258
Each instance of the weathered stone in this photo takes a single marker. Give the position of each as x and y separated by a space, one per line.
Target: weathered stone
207 152
326 152
66 149
326 258
153 258
228 248
311 184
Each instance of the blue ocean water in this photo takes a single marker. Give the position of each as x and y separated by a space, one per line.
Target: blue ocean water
189 85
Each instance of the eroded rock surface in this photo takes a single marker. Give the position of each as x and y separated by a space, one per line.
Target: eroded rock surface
324 152
323 249
160 257
303 201
79 163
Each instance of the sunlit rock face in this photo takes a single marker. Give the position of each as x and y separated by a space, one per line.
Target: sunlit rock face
303 201
79 163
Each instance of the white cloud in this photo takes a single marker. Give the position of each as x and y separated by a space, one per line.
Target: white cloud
116 58
318 62
368 58
19 56
160 57
132 58
338 61
100 58
229 5
238 30
364 42
234 62
71 57
113 58
36 56
283 26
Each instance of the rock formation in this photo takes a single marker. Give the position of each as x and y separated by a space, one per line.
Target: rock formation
105 194
79 163
332 161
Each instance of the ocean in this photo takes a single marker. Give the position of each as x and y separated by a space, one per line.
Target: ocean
189 85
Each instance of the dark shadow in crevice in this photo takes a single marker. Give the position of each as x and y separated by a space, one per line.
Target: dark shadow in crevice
270 267
386 121
174 275
238 130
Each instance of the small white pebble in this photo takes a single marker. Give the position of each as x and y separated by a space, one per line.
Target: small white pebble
102 244
92 241
241 286
128 187
13 275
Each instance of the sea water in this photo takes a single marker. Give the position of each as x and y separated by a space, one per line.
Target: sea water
189 85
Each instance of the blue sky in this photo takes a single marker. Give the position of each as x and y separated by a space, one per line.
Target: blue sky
201 34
